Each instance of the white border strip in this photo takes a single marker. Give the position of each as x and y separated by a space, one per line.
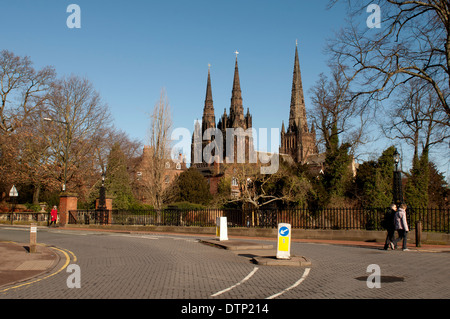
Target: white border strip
234 286
305 274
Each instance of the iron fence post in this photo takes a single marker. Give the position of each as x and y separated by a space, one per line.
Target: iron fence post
418 233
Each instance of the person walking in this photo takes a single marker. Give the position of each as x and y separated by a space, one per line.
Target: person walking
389 225
54 216
401 225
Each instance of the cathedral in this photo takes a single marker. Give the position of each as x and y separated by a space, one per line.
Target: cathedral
297 144
215 142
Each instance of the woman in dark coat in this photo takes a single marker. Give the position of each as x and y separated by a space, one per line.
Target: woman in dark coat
389 224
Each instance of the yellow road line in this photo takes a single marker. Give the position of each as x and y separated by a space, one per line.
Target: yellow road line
74 258
46 277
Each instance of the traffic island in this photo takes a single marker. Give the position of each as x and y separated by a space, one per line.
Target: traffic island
283 256
235 244
294 261
260 254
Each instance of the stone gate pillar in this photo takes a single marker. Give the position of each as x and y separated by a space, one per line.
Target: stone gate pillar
67 202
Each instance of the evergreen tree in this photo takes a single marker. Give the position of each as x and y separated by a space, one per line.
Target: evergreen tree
438 188
193 188
117 182
374 180
365 182
337 174
416 191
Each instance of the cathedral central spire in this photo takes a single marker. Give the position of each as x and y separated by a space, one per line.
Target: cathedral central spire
243 141
298 141
297 115
236 109
208 99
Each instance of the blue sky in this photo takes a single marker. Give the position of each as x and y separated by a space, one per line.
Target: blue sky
130 50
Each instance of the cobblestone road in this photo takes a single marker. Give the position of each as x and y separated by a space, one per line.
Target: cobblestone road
158 266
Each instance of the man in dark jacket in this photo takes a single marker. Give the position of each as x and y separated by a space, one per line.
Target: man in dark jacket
389 225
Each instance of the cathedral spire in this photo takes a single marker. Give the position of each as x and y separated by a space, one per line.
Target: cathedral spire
208 99
236 109
298 142
297 116
208 119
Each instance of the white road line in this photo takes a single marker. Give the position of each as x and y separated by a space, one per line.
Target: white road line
137 236
234 286
305 274
189 240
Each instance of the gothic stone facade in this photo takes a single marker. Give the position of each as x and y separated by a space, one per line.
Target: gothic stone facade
297 145
298 142
223 147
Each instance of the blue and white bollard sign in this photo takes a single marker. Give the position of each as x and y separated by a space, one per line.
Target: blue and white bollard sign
221 228
284 241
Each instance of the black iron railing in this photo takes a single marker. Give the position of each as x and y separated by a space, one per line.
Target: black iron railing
332 218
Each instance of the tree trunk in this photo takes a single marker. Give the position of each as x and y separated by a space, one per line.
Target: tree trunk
36 193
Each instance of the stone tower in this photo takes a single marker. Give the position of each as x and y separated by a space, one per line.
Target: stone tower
208 121
243 139
298 141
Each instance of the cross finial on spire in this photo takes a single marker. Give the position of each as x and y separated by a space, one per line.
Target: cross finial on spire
209 66
236 52
296 42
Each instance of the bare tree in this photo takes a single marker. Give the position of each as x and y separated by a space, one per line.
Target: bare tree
32 149
258 190
76 117
412 43
107 137
22 160
417 118
22 90
334 113
159 152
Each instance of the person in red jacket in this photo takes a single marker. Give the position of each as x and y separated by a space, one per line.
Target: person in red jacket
54 216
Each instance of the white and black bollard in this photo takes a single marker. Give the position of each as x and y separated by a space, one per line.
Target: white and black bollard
221 228
33 238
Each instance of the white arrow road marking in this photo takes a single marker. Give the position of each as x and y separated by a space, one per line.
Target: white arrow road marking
234 286
305 274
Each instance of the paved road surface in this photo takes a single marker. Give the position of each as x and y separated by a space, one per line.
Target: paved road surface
161 266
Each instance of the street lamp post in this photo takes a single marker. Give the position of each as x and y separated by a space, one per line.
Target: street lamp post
397 191
66 155
102 199
101 210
